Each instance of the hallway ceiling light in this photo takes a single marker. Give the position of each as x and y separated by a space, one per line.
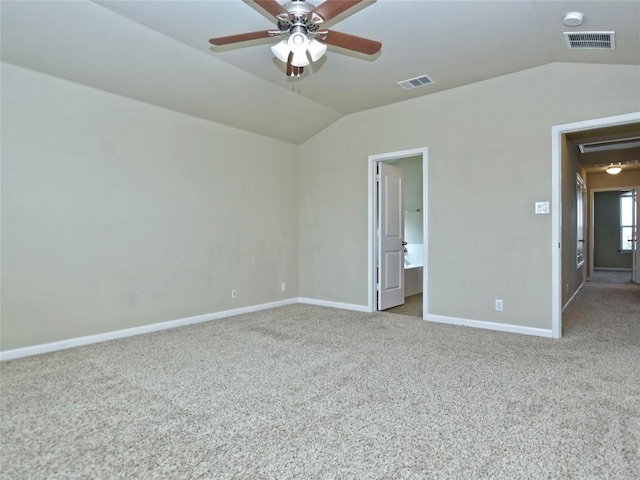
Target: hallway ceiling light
615 168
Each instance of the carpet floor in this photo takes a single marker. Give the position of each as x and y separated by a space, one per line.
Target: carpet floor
611 276
317 393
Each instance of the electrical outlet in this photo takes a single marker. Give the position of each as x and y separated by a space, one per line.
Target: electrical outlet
499 305
283 287
234 294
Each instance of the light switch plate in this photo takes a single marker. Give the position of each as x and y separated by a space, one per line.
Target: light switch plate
542 208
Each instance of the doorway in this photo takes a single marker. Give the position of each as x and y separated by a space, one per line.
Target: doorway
613 235
557 133
416 211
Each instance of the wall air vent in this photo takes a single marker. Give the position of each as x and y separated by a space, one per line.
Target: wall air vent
416 82
591 40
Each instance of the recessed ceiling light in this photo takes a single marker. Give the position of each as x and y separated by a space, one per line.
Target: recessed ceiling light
573 19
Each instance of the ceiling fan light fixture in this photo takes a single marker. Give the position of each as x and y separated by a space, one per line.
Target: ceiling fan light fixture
299 43
281 50
316 49
298 26
613 170
299 59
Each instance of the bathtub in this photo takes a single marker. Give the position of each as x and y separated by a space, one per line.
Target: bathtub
413 269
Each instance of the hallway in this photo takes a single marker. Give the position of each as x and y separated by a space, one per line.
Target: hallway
606 312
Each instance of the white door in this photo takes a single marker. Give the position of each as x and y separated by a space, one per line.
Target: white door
390 280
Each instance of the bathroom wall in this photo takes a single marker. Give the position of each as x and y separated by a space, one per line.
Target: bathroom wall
413 223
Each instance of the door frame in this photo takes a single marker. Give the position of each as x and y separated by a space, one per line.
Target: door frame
556 204
373 161
592 230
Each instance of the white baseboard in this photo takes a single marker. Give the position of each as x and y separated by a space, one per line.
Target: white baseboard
575 294
130 332
154 327
502 327
326 303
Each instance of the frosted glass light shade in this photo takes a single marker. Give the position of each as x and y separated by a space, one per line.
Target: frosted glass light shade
281 50
299 43
316 49
299 59
613 170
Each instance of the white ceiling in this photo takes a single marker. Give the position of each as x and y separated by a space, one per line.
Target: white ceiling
158 52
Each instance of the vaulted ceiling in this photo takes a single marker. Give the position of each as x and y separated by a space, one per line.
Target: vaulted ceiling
158 52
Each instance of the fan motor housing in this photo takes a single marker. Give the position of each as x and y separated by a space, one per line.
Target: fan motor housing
298 7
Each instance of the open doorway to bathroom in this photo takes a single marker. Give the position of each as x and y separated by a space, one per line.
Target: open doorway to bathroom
413 274
413 237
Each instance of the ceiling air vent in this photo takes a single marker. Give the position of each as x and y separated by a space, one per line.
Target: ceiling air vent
618 144
416 82
591 40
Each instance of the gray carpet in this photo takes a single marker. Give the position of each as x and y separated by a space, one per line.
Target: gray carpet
317 393
611 276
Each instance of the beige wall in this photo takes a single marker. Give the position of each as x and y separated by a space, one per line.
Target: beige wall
117 214
572 275
630 178
489 161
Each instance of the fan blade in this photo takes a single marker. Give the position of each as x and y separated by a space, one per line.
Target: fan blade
271 6
291 70
332 8
242 37
289 66
351 42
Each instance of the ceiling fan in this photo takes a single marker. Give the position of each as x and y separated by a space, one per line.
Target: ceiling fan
299 24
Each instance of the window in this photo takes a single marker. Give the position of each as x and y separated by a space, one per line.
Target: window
626 221
580 220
